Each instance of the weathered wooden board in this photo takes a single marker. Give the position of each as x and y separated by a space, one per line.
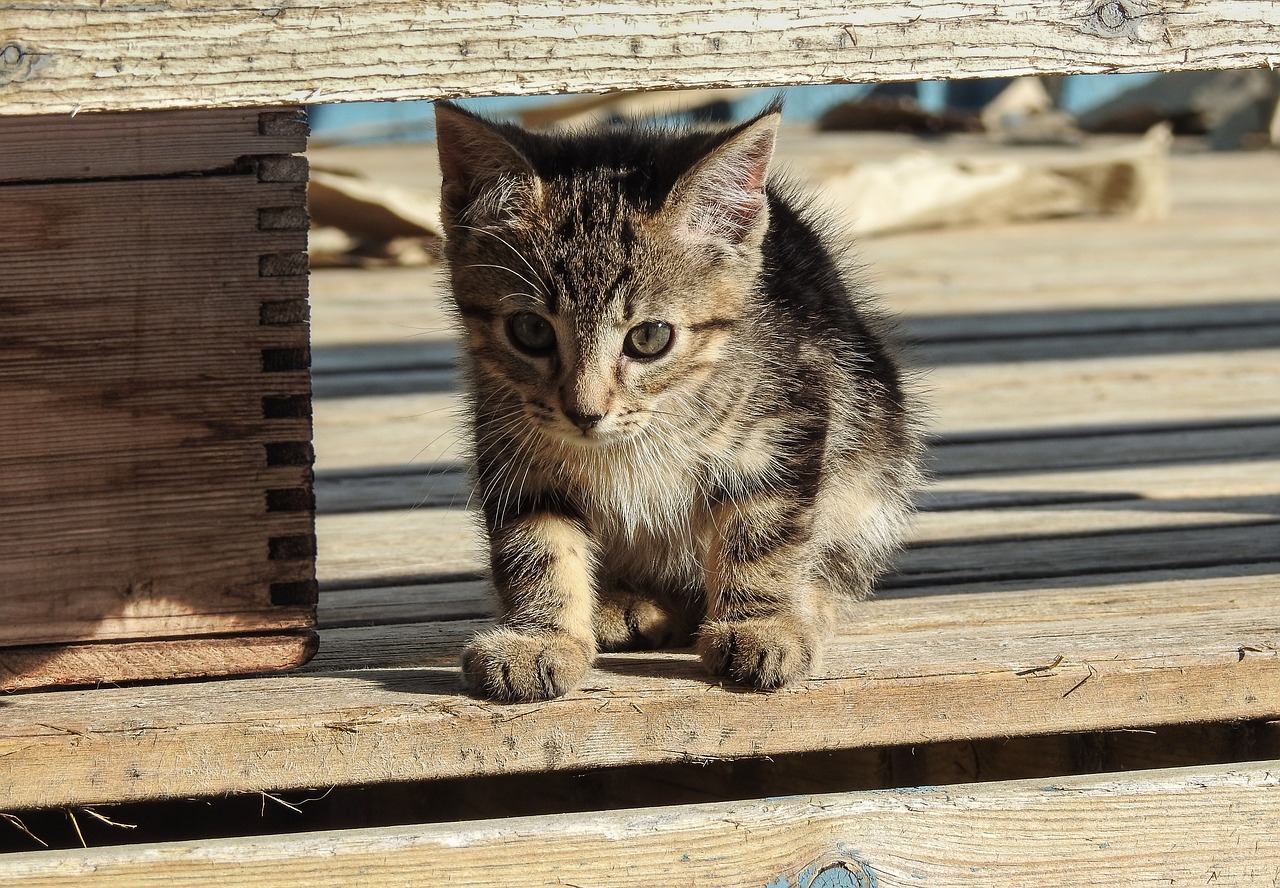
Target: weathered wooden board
154 400
1058 396
400 547
184 53
383 704
100 146
967 473
1188 826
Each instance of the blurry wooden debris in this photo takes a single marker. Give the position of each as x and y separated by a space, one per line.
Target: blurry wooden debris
1024 114
1232 107
575 111
923 190
361 222
897 114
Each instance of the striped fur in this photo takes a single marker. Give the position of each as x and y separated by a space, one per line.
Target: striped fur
731 490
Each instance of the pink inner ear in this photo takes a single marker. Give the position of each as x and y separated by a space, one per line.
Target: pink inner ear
725 200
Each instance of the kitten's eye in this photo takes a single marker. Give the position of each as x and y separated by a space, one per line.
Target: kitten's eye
648 340
531 333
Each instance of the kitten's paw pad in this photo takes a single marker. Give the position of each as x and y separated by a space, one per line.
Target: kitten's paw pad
632 622
518 667
764 654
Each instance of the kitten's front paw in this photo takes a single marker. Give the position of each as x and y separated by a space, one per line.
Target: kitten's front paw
518 667
762 653
627 622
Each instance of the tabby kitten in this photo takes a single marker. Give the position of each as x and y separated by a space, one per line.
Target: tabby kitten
686 427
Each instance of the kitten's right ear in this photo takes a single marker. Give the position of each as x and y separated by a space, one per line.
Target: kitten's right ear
479 167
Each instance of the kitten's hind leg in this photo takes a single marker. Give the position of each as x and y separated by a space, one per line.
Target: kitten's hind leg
625 620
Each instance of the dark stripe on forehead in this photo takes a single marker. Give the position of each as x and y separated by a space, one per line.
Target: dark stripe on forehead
715 324
625 273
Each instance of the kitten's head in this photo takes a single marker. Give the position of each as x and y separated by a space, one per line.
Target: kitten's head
602 277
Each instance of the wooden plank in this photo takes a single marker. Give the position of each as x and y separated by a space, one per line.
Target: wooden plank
427 363
1053 396
59 60
173 659
1218 825
1057 518
379 489
155 402
941 665
128 437
101 146
391 605
1161 598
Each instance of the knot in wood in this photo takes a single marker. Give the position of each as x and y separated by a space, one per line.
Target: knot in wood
17 63
1112 16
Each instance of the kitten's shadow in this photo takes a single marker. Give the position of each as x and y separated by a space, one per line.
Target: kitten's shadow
660 663
681 664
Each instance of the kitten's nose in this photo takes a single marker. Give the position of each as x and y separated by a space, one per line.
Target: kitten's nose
584 421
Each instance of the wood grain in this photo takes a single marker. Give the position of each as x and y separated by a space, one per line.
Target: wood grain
384 705
99 146
1188 826
189 53
969 400
155 443
174 659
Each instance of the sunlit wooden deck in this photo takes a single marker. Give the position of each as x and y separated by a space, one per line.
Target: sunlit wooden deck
1100 550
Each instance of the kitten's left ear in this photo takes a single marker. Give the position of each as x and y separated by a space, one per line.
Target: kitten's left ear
721 200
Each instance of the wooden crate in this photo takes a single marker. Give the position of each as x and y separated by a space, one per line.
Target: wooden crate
155 413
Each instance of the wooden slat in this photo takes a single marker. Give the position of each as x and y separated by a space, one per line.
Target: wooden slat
1060 396
173 659
154 398
132 394
1010 460
100 146
1195 826
396 547
384 705
59 60
1055 520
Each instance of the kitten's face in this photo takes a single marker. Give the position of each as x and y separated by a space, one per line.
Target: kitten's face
595 307
601 335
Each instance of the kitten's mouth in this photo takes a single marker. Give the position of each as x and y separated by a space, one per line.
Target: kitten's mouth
593 437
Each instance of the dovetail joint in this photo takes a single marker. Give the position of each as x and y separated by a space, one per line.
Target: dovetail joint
286 407
283 219
286 360
303 593
291 499
289 263
282 168
295 547
290 453
286 123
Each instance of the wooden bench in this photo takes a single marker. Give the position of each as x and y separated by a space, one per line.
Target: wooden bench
1099 554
